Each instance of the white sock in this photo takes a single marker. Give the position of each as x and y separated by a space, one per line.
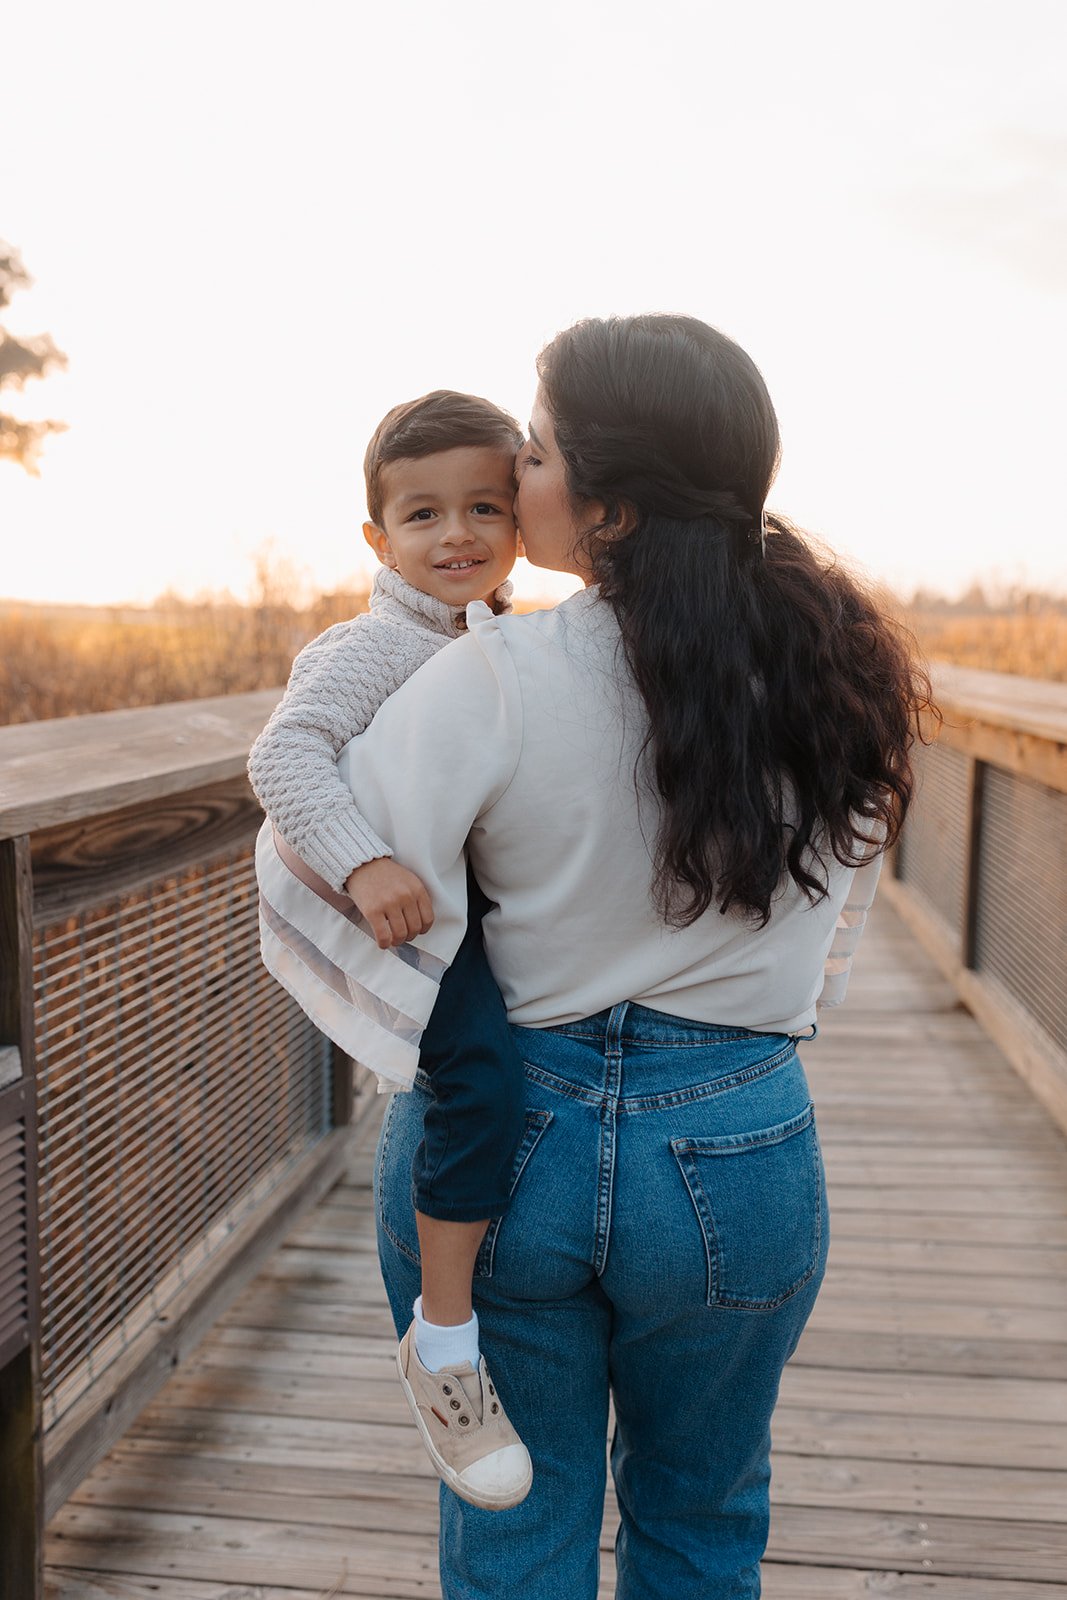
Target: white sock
439 1347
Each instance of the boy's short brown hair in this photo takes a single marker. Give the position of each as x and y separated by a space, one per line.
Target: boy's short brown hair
441 420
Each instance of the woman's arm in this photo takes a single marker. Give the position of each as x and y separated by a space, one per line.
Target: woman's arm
438 755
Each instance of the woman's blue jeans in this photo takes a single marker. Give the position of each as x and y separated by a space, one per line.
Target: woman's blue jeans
665 1243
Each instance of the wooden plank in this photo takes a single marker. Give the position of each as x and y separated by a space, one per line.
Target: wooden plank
887 1351
998 1263
231 1407
271 1306
1045 1201
72 767
1022 1233
355 1359
909 1394
250 1552
995 741
1034 705
67 1583
965 1546
983 1171
371 1394
370 1424
1035 1055
254 1551
932 1318
878 1280
263 1491
903 1436
81 864
780 1582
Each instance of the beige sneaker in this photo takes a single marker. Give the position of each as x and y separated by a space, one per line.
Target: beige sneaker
465 1430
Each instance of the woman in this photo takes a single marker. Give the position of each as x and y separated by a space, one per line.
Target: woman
674 789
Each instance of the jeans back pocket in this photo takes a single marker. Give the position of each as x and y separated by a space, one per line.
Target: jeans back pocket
759 1200
536 1123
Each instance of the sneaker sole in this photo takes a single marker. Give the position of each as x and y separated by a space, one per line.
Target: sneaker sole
448 1474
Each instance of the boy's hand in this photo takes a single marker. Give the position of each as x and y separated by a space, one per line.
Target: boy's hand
394 901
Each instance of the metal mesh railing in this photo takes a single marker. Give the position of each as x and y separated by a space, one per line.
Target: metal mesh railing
176 1083
1021 934
931 858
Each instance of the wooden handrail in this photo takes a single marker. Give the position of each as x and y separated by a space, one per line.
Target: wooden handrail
1032 705
1019 724
74 767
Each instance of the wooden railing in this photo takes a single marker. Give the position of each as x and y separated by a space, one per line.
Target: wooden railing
165 1109
980 874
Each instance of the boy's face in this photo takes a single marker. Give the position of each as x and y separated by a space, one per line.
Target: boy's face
447 522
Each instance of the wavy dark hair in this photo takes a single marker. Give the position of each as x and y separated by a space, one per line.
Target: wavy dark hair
782 699
444 419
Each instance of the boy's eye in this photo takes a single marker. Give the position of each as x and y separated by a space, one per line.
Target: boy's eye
421 514
484 509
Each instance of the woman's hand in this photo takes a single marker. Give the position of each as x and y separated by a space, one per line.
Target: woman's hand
394 901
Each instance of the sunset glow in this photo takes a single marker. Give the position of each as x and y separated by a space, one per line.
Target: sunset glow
255 227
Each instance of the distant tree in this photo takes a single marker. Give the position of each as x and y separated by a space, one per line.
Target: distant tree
20 359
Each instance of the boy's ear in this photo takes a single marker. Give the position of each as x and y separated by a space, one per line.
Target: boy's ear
378 540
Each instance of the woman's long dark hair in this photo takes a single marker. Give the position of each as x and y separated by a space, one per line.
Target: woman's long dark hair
782 700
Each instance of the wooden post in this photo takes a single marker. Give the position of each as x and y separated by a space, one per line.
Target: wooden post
971 885
21 1434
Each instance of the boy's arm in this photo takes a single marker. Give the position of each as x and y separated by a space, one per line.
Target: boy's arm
394 901
337 684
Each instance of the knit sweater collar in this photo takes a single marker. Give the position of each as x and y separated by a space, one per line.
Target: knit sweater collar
392 596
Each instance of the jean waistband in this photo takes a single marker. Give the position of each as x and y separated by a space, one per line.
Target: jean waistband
630 1023
635 1053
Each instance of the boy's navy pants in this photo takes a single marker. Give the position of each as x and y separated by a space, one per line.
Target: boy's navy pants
463 1169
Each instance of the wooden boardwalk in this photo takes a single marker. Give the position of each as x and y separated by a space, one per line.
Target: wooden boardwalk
921 1440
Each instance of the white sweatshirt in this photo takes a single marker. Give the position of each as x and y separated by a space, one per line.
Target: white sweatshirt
523 736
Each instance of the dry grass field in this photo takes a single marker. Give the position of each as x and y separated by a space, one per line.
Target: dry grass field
59 663
1030 643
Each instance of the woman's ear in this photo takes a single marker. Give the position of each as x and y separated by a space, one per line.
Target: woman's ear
625 521
378 540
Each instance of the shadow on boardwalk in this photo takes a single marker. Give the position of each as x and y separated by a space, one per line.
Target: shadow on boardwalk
921 1440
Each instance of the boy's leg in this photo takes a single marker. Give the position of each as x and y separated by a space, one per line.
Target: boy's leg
461 1177
463 1169
449 1251
547 1324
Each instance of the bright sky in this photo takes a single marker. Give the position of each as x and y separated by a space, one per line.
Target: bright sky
255 226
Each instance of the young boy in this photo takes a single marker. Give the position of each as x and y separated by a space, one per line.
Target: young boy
440 486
